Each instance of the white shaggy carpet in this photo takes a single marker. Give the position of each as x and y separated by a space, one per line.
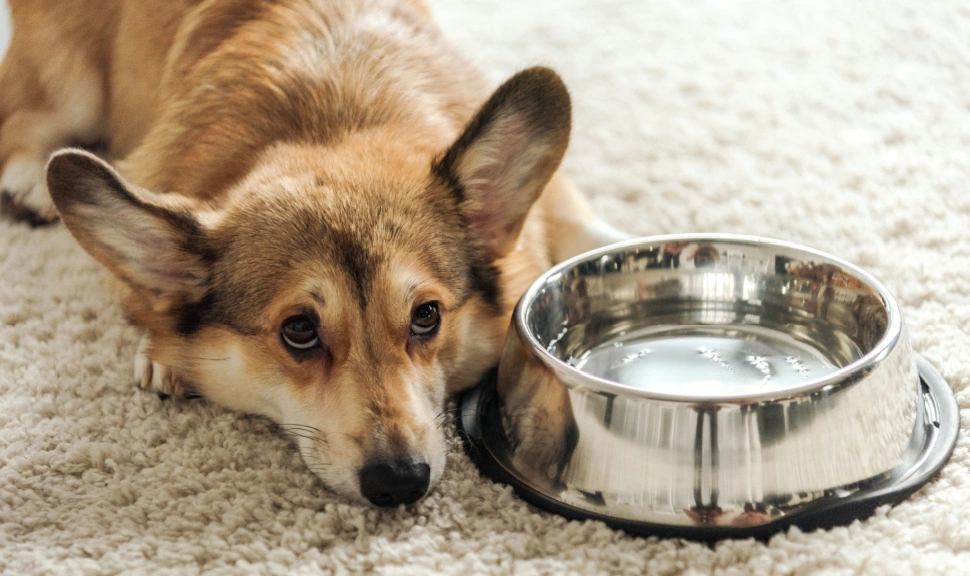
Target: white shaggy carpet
840 125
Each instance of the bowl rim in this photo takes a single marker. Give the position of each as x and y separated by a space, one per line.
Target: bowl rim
844 377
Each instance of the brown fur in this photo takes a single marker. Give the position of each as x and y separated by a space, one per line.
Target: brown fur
336 161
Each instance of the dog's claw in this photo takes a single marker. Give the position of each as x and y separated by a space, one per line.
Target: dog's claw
23 192
143 366
151 375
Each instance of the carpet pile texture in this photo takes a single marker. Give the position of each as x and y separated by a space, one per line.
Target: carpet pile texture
841 126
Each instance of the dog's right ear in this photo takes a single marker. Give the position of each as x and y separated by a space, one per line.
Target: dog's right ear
150 242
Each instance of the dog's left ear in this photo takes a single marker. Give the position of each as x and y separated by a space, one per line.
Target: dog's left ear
506 155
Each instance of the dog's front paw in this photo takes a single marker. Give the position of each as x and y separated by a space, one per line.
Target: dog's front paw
151 375
23 192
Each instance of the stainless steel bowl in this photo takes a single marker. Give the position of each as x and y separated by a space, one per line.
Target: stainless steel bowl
720 383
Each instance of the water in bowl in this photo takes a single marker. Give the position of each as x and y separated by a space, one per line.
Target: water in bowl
707 361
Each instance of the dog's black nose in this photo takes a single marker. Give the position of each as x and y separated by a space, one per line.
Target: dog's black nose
394 482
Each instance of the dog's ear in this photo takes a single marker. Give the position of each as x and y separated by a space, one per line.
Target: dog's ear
151 243
506 155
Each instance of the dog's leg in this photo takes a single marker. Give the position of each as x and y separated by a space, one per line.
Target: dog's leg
571 225
50 96
151 375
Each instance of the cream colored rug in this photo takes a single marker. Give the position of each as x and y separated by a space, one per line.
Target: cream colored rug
841 125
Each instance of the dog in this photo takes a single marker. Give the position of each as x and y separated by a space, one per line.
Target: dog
317 210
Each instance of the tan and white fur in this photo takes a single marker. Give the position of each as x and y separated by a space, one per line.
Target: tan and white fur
316 210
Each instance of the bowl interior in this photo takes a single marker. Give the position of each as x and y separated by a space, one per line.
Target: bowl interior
707 317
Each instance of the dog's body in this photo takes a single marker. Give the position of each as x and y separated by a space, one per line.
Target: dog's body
318 219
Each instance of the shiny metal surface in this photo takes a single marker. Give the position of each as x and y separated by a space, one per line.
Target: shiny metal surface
707 381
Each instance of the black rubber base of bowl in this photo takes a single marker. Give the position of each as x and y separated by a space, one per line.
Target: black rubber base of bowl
942 426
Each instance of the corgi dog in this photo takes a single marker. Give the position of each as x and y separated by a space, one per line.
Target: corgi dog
317 210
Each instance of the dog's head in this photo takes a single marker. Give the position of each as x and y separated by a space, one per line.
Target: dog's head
341 290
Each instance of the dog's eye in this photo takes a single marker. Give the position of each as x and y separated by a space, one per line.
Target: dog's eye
425 319
299 332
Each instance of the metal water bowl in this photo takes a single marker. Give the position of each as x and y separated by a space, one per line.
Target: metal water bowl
710 386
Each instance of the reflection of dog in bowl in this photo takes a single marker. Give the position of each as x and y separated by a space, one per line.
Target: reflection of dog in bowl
705 255
537 416
844 300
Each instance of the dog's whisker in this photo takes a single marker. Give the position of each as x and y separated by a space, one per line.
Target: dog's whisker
442 425
303 430
302 426
301 436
